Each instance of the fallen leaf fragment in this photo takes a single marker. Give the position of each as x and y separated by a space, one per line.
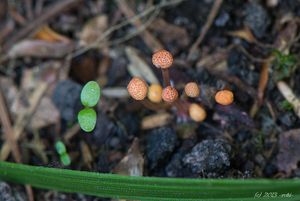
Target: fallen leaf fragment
245 34
93 29
289 149
132 164
45 115
170 33
156 120
40 49
86 154
138 67
289 95
47 34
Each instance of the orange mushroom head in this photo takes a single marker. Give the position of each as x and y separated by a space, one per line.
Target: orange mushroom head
197 112
162 59
137 88
169 94
192 90
224 97
155 93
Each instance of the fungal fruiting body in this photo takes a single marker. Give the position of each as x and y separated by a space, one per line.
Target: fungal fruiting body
192 90
197 112
137 88
169 94
155 93
224 97
162 59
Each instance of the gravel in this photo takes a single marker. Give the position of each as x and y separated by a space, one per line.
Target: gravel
210 156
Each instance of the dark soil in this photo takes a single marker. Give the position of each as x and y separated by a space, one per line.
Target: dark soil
242 140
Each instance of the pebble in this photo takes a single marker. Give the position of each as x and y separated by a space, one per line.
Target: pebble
257 18
160 143
210 156
222 19
66 98
176 167
8 194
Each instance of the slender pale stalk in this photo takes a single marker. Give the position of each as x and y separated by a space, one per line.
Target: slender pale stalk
166 77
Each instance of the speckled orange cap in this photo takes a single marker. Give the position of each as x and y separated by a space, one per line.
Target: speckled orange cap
192 89
137 88
169 94
224 97
162 59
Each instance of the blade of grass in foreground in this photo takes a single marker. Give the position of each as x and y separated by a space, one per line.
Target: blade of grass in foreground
150 188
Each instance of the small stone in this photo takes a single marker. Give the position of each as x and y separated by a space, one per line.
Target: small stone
210 156
176 168
5 192
66 98
256 17
222 19
105 129
9 194
160 143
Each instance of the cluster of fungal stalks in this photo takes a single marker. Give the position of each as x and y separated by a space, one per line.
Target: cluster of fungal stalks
139 90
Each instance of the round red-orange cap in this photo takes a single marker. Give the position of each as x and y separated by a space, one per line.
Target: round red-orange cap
224 97
169 94
137 88
162 59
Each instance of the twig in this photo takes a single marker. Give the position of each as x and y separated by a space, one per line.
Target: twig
149 39
38 7
289 95
103 37
251 57
213 13
49 13
11 141
28 6
17 17
8 130
24 118
71 132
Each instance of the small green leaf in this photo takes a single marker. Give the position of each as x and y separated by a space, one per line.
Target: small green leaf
87 119
65 159
90 94
60 147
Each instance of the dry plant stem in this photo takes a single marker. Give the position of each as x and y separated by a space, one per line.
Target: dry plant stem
28 6
8 130
213 13
103 38
71 132
24 118
166 77
51 12
149 39
11 141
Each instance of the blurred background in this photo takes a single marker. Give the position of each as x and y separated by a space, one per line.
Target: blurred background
50 49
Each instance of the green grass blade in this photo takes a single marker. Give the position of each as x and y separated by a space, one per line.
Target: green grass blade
149 188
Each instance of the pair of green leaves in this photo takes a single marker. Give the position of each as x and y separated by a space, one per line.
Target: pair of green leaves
62 151
89 97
